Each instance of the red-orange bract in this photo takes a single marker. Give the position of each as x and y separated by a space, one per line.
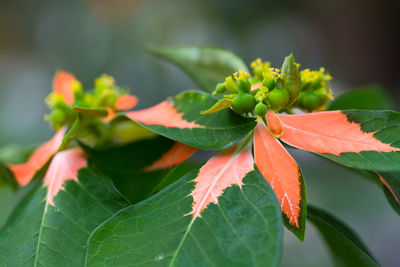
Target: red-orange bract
281 171
222 171
63 167
163 114
62 85
24 172
176 154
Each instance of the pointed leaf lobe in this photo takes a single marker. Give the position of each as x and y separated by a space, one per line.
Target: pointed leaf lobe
163 114
24 172
329 132
282 173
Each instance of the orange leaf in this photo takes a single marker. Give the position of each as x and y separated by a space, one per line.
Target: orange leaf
125 102
163 114
282 173
63 167
62 84
227 168
329 132
24 172
176 154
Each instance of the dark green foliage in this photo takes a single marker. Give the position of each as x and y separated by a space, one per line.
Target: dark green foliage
38 234
244 229
126 164
346 247
207 66
371 97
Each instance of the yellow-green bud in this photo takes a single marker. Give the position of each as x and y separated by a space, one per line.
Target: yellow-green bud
76 86
257 72
269 80
243 103
104 81
230 85
260 96
322 95
278 98
58 117
219 89
269 83
315 84
261 109
244 85
55 100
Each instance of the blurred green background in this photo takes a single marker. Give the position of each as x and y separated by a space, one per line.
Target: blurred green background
355 40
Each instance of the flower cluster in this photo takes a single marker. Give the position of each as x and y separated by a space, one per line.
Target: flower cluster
274 89
68 99
315 90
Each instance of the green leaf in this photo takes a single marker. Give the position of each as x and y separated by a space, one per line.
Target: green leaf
291 78
346 247
220 105
6 177
12 154
175 174
390 184
207 66
15 154
126 165
243 229
179 119
38 234
372 97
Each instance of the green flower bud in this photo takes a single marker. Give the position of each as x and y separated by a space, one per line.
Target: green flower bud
103 82
315 84
219 89
261 109
290 78
279 98
244 85
76 86
261 95
309 101
55 100
230 85
269 82
243 103
259 67
58 117
322 95
257 72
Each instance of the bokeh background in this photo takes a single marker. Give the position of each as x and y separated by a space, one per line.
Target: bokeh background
357 42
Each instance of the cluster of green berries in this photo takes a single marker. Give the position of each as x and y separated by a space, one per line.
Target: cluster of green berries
272 88
315 90
97 102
